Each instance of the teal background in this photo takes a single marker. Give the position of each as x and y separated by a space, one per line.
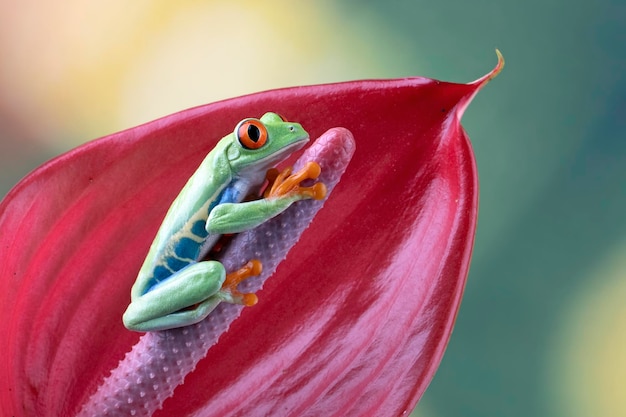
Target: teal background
550 141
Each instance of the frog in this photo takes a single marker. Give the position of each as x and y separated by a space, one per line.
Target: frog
177 285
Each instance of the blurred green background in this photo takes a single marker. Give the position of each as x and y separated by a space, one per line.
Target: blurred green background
541 329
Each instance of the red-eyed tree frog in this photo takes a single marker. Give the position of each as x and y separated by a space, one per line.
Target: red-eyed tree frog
175 287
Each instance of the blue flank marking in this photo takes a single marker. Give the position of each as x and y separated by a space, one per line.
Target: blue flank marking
199 229
176 264
188 248
160 273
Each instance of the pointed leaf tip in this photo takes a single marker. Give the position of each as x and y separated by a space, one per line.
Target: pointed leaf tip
479 84
493 73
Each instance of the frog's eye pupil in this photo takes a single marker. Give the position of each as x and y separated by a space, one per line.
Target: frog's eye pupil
254 133
251 134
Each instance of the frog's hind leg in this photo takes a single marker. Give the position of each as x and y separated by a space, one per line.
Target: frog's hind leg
167 305
228 293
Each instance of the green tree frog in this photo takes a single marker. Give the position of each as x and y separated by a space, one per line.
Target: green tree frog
175 287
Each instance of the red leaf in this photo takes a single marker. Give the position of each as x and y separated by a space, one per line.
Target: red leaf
399 229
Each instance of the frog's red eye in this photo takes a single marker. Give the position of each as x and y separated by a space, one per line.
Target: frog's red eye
251 133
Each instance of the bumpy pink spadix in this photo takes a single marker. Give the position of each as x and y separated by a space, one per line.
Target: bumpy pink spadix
354 321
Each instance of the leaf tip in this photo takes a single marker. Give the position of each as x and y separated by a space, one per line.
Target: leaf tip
493 73
499 66
477 85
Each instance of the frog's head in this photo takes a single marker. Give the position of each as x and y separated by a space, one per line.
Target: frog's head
259 144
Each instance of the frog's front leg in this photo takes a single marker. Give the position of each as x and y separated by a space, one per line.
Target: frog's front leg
188 296
285 189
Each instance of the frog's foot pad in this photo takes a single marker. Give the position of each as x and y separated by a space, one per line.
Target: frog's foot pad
285 183
252 269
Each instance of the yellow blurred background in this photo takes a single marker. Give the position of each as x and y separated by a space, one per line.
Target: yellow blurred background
541 329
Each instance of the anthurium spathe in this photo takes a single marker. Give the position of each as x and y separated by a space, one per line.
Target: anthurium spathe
397 232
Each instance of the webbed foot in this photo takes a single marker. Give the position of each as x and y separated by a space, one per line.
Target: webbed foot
229 287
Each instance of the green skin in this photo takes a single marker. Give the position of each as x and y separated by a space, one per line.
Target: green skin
158 302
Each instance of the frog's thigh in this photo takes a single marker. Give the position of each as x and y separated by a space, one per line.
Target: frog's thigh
189 286
178 319
192 284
